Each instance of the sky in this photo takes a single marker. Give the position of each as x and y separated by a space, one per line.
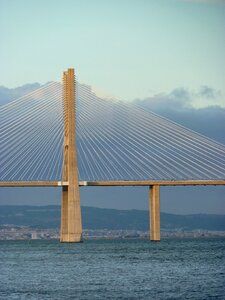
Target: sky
169 54
124 48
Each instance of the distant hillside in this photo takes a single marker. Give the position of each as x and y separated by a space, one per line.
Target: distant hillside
99 218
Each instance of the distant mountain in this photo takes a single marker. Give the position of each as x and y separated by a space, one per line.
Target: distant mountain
111 219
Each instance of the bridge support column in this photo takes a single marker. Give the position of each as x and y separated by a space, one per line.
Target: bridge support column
71 226
154 213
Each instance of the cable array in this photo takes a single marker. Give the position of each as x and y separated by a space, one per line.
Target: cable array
115 141
121 141
31 136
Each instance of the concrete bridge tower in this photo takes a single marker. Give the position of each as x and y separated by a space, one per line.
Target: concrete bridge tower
71 225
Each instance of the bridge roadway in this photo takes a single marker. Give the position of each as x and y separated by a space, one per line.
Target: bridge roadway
111 183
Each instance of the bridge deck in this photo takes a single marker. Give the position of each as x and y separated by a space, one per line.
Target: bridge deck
153 182
32 183
112 183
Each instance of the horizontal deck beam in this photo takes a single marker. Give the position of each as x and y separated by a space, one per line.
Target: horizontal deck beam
32 183
152 182
111 183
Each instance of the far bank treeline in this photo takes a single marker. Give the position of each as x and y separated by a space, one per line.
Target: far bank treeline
111 219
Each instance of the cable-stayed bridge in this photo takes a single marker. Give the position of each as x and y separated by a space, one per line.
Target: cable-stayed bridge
44 141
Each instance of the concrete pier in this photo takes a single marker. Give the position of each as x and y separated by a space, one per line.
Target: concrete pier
154 213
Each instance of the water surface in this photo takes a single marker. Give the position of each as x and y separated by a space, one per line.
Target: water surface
113 269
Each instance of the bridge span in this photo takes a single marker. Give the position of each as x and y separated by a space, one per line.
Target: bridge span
112 183
64 135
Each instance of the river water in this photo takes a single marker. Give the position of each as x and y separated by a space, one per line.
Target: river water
113 269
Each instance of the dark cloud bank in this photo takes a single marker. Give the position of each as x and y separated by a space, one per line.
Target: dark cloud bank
176 106
7 95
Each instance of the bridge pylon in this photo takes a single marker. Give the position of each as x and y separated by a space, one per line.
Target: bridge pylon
71 225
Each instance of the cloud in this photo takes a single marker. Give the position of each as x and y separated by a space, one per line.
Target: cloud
7 94
181 98
178 106
208 92
204 92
